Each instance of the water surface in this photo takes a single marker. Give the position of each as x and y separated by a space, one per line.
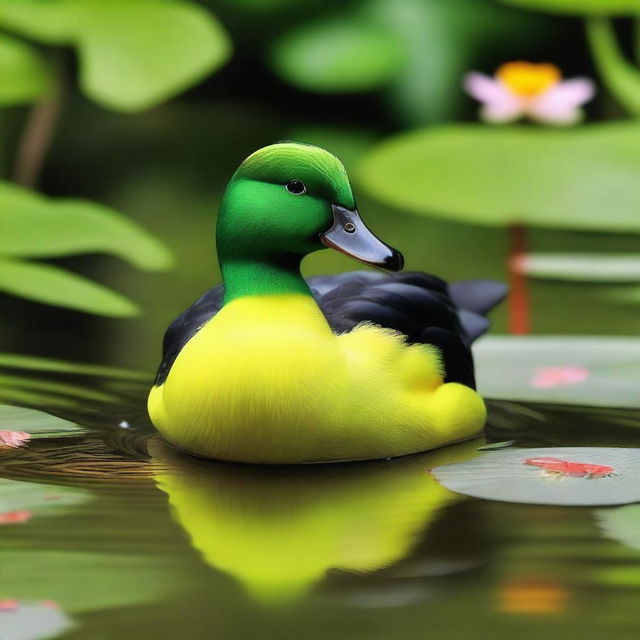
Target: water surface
127 538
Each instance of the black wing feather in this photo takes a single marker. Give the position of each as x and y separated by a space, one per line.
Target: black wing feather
422 307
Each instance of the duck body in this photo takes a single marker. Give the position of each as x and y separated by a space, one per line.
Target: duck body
370 366
270 368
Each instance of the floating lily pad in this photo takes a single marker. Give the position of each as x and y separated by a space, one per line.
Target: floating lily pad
33 363
622 524
496 446
583 178
38 499
505 476
33 621
37 423
593 371
581 267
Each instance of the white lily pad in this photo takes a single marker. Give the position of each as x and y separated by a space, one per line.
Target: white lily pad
34 621
37 423
589 370
504 476
622 524
581 267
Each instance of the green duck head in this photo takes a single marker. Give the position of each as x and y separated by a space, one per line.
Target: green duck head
288 200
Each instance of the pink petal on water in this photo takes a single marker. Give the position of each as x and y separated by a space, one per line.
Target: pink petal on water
15 517
560 104
13 439
562 376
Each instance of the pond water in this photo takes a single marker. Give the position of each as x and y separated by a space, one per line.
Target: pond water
115 535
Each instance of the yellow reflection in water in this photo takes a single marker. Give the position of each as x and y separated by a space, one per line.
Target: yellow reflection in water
277 530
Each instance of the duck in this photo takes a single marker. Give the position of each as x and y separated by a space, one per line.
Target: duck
271 368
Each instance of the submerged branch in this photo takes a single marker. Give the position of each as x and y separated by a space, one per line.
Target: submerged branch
38 131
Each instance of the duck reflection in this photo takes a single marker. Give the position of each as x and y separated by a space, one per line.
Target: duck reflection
277 530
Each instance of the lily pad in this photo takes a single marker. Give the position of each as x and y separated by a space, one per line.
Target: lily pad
33 363
507 476
587 370
34 621
39 499
622 524
581 267
37 423
583 178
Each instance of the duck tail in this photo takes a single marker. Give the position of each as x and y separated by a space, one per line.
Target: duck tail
474 299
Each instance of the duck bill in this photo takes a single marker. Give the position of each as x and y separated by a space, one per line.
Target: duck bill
349 235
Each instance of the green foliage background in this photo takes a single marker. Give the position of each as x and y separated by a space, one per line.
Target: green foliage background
145 107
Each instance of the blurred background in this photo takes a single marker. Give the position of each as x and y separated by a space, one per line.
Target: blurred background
122 121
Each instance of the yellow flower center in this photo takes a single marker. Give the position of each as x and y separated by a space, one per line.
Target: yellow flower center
527 79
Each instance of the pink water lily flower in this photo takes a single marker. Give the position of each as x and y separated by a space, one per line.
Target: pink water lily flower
523 89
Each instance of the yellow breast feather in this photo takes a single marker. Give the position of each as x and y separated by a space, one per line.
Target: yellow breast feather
267 381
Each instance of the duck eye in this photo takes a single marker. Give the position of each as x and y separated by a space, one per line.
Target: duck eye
296 187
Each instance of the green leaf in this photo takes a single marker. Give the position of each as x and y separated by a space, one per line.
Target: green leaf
338 55
32 363
52 285
36 226
581 7
133 53
37 423
13 382
582 178
24 75
621 77
581 267
512 368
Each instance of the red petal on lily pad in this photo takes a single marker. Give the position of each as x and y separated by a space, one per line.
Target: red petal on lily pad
570 476
13 439
563 376
15 517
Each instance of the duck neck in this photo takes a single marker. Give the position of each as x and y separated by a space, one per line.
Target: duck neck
274 275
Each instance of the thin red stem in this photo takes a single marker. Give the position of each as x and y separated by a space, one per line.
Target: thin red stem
519 304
